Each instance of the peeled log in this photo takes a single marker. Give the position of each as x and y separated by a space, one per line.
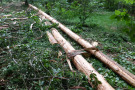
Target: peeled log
51 38
125 74
81 63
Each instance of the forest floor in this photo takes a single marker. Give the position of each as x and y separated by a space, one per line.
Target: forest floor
29 61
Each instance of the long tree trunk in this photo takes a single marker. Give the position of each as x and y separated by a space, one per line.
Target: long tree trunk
81 63
126 75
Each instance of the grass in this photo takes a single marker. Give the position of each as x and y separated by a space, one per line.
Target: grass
103 18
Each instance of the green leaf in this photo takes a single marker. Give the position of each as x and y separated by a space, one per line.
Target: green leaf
113 16
123 13
130 1
117 12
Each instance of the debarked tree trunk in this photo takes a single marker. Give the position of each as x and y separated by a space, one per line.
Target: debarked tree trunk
81 64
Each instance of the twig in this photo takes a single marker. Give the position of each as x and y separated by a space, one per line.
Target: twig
69 63
8 37
44 67
78 87
16 18
11 56
45 77
50 82
7 15
32 25
3 27
40 35
24 82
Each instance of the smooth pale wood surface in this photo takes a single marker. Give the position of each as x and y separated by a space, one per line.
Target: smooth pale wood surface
51 38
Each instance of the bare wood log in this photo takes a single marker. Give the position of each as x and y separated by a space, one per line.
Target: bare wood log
51 38
81 63
125 74
16 18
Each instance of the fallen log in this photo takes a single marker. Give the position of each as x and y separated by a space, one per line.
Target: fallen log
125 74
51 38
81 64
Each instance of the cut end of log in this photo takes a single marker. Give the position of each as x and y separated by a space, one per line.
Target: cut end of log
51 38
